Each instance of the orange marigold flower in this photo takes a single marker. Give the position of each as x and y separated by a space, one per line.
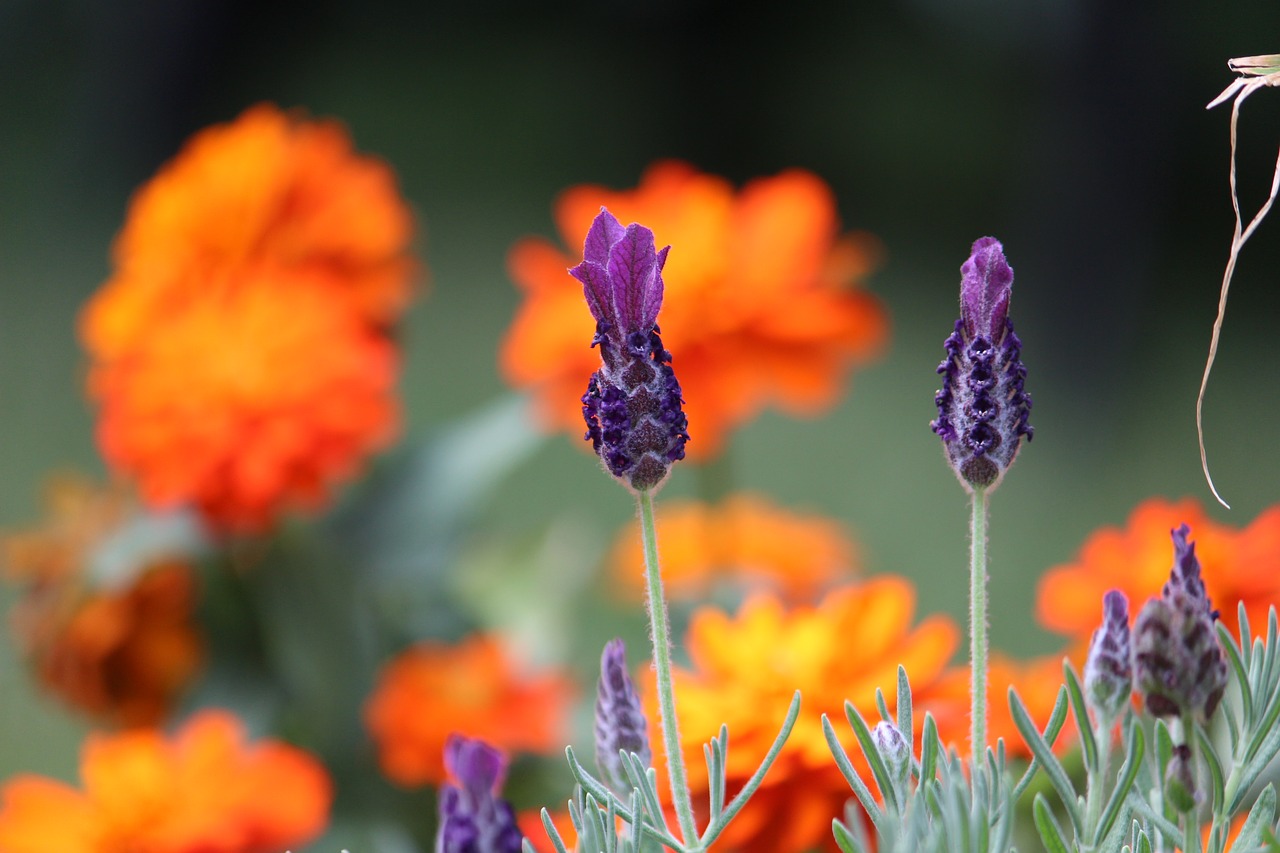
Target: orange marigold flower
268 190
746 669
762 308
1237 565
250 400
745 540
205 790
474 689
240 353
121 647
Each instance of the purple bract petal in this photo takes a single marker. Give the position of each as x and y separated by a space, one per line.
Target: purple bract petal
633 275
604 232
476 766
986 282
595 287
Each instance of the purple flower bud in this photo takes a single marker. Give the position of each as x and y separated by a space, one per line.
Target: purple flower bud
620 722
982 407
1179 667
1108 670
1180 788
472 817
633 405
895 751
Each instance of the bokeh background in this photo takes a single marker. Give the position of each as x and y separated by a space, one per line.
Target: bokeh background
1073 131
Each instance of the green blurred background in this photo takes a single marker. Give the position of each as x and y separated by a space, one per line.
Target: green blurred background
1073 131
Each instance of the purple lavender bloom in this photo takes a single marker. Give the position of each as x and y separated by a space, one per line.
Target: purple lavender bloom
1108 670
633 402
982 407
1179 667
620 722
473 819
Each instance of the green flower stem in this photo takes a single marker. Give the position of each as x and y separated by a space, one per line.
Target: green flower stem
1095 783
978 624
661 635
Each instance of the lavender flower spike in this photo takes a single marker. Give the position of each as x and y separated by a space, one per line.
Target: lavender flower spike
1178 665
1108 670
620 722
633 402
472 817
982 407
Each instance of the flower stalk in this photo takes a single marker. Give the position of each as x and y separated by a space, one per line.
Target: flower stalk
978 643
660 633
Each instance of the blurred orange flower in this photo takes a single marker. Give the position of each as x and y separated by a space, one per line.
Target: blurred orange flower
268 191
121 648
205 790
746 540
474 689
253 399
1237 565
763 302
240 352
745 671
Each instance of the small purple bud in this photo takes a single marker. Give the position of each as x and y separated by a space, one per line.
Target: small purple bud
1178 664
473 819
982 407
1180 789
633 406
895 751
1108 670
620 722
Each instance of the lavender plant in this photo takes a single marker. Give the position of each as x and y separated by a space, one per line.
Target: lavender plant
636 425
1194 679
928 801
982 418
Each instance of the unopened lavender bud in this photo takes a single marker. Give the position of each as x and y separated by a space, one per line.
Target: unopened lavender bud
895 752
473 819
982 407
620 722
1108 670
1179 666
633 404
1180 780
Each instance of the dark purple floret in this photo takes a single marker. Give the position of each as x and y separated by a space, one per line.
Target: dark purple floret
983 409
620 722
633 406
1178 664
1108 670
473 819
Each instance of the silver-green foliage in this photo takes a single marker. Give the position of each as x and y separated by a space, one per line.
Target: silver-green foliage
596 811
941 807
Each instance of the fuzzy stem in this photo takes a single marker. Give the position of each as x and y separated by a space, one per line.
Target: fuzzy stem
978 624
1095 782
661 636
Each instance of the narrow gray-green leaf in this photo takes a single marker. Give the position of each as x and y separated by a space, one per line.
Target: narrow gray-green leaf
1215 768
1083 724
1124 783
905 722
1261 817
716 827
1044 754
552 832
1047 825
1056 720
860 789
878 769
844 838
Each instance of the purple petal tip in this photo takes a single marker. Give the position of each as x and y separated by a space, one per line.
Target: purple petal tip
985 287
